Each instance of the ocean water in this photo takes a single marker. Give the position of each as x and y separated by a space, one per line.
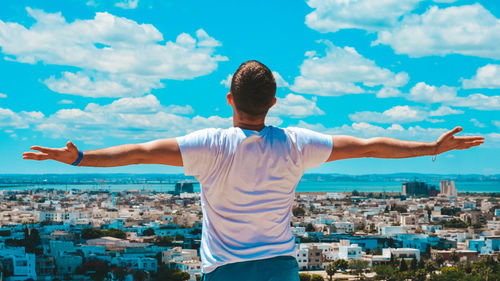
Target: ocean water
335 186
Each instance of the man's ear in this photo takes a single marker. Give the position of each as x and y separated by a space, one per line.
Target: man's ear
274 102
229 98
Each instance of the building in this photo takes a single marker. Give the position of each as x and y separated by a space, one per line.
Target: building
416 188
302 258
136 263
402 253
193 267
341 227
315 258
448 189
20 264
349 252
182 187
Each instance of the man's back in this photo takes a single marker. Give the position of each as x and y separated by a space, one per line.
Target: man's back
248 180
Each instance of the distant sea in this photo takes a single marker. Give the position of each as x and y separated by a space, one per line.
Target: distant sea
307 186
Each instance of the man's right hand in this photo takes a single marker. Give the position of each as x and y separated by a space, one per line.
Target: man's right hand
67 154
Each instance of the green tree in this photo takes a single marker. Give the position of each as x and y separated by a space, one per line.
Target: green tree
164 241
341 264
439 260
91 233
304 277
298 211
383 272
149 232
429 267
358 265
310 228
31 239
317 277
454 257
141 275
420 275
414 264
330 270
403 266
355 193
166 273
117 233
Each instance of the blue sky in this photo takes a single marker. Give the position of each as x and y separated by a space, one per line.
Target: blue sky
104 73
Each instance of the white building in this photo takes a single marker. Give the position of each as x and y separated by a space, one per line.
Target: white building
136 263
350 252
177 254
302 258
193 267
401 253
64 216
391 230
23 264
299 231
448 189
342 227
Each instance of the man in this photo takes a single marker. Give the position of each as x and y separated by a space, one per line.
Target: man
248 174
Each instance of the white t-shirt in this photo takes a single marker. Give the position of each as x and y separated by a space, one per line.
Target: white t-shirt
248 181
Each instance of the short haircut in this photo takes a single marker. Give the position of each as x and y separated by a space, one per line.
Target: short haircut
253 88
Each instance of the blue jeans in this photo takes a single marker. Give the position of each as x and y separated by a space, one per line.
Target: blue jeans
282 268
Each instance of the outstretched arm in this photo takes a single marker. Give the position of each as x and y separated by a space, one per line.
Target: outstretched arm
346 147
163 151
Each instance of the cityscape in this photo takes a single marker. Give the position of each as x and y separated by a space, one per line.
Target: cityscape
422 232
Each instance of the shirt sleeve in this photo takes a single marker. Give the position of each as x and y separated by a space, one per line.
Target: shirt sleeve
315 148
196 149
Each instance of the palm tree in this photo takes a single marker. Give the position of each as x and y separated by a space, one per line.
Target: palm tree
330 270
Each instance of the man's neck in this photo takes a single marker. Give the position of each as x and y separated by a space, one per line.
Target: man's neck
249 125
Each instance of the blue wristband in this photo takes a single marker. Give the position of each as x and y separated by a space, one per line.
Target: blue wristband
79 159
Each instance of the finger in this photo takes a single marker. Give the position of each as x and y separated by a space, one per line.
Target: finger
71 146
468 145
43 149
35 156
470 138
454 131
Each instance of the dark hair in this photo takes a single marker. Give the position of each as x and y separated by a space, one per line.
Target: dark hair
253 88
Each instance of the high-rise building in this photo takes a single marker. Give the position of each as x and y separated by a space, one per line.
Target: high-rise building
448 189
416 188
182 187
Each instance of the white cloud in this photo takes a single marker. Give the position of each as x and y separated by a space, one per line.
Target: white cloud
100 85
3 96
422 92
496 123
487 76
445 110
477 123
479 102
367 130
396 114
467 30
227 82
332 15
65 102
114 53
21 120
139 118
280 82
127 4
388 93
295 106
403 114
343 71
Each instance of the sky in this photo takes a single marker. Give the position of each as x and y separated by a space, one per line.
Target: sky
103 73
